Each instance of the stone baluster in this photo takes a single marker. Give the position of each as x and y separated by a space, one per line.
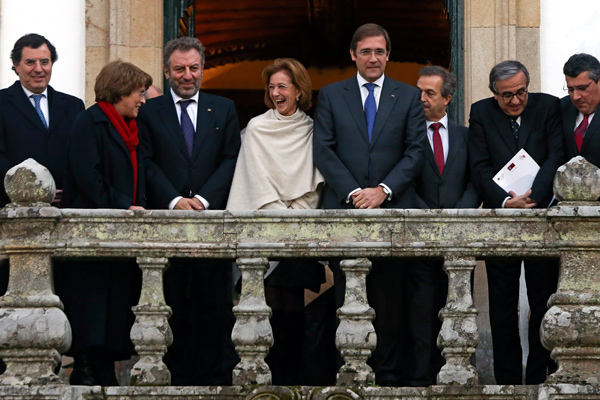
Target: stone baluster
459 336
252 334
571 327
355 336
33 328
151 333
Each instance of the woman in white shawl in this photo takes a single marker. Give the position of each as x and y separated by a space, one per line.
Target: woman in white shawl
275 170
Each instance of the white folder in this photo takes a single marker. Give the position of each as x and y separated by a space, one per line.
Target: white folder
518 174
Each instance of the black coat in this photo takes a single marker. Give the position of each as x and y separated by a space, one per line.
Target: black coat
492 144
100 173
23 135
453 188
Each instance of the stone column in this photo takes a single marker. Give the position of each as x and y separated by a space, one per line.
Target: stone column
33 328
252 334
151 333
459 336
355 336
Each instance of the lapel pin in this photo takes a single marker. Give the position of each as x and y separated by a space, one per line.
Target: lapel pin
209 110
393 95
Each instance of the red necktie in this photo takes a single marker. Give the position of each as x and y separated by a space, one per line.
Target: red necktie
438 149
580 131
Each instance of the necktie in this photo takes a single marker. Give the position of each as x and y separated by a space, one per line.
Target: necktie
370 109
438 149
515 127
580 131
38 98
187 126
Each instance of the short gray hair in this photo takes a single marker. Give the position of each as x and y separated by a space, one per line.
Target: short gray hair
448 78
185 43
505 70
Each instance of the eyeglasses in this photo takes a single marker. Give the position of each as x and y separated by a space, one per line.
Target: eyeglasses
142 93
509 96
367 53
580 88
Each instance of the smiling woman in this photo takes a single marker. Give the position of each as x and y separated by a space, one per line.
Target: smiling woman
104 171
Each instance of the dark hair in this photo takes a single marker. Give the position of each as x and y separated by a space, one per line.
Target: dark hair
118 79
185 43
369 30
34 41
299 76
448 78
582 62
505 70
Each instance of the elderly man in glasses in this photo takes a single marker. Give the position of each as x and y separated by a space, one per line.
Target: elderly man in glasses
581 129
500 126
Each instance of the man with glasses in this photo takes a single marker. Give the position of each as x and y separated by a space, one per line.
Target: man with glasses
499 127
368 136
581 129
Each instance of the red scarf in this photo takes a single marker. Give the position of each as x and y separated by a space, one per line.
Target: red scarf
129 133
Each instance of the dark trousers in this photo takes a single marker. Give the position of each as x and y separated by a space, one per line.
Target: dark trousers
541 277
199 293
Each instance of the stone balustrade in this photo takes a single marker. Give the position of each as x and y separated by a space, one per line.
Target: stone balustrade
34 330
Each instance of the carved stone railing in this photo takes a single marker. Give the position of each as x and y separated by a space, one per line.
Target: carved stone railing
34 330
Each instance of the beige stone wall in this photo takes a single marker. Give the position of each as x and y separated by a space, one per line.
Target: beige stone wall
497 30
131 30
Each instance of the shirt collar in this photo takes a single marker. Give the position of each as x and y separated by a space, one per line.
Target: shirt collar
362 81
28 92
443 121
176 98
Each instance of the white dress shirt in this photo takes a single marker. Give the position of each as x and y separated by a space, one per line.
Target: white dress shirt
579 119
192 110
43 102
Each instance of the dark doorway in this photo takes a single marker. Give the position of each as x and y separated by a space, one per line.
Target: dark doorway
241 36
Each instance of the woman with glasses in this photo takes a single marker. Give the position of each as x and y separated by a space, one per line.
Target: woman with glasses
104 170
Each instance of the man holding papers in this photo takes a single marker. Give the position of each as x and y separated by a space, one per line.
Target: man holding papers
499 127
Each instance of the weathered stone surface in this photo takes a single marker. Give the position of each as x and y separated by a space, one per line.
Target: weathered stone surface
577 180
29 183
151 333
355 336
252 334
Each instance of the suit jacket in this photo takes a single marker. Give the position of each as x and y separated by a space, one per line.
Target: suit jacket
170 171
100 171
491 145
453 188
345 157
590 148
23 135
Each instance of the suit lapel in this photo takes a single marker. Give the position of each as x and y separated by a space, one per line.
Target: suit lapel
502 122
569 128
19 99
355 107
168 113
203 121
453 140
387 101
591 131
56 106
527 118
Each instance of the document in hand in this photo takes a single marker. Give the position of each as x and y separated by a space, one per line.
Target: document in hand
518 174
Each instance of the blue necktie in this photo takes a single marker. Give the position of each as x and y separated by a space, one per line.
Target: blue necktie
187 126
38 98
370 109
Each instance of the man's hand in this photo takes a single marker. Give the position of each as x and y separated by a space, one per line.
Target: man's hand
136 208
369 198
522 201
189 204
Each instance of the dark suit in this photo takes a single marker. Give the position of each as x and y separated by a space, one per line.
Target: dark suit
348 161
590 148
98 296
23 135
199 293
491 146
452 189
